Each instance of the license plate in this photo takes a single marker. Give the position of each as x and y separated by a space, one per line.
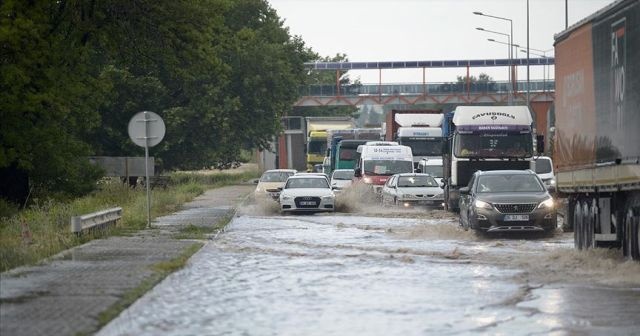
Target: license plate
307 203
516 218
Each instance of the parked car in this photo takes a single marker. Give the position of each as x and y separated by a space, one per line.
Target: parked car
271 182
544 169
341 179
304 192
411 189
507 200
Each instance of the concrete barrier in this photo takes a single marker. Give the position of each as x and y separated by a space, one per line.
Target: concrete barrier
95 220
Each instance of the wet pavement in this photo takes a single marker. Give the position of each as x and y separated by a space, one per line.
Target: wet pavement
387 273
66 294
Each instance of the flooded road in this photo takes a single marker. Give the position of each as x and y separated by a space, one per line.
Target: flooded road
391 272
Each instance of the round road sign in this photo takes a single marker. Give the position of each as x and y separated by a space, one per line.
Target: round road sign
146 129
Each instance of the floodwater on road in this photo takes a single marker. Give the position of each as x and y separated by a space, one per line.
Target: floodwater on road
391 272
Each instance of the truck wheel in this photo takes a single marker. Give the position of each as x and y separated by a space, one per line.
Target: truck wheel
577 226
632 234
589 224
568 222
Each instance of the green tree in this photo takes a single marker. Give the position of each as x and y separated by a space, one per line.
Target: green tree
47 102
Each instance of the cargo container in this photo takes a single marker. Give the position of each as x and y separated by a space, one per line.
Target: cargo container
597 127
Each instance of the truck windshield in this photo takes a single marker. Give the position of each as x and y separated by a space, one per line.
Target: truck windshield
317 146
500 145
423 147
387 167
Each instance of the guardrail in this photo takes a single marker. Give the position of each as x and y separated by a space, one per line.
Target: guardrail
95 220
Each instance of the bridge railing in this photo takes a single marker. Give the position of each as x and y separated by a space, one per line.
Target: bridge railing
422 88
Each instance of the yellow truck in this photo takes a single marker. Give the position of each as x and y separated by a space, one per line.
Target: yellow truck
316 130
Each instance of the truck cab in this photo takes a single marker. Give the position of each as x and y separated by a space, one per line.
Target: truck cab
486 138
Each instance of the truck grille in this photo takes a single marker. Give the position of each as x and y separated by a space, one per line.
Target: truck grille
515 208
307 202
467 168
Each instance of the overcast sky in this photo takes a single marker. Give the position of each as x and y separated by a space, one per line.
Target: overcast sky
415 30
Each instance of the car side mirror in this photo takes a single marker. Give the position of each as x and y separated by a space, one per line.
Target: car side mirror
357 172
551 189
464 191
441 185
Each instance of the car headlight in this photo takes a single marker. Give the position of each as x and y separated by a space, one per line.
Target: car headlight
482 204
285 197
327 197
258 189
546 204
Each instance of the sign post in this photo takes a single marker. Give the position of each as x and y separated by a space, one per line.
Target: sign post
146 129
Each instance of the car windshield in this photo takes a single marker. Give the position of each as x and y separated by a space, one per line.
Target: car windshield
435 171
543 166
508 183
307 183
387 167
343 175
416 181
275 176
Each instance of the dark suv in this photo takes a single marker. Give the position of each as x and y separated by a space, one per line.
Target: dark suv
507 200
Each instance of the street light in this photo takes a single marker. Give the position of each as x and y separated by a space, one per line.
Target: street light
510 86
510 39
513 44
544 69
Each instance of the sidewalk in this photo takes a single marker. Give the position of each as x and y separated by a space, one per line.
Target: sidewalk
66 294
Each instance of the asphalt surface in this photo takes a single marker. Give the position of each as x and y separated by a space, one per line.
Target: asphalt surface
66 293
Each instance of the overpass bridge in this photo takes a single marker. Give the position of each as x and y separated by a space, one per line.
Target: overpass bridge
537 91
425 93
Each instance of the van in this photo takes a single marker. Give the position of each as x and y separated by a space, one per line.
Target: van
544 170
433 167
377 163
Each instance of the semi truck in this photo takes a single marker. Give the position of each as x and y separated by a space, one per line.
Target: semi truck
316 130
341 153
597 127
485 138
419 129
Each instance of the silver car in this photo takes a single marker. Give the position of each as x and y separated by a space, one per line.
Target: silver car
411 189
507 200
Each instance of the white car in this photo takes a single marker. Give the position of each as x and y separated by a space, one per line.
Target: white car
271 182
544 170
341 179
410 189
307 193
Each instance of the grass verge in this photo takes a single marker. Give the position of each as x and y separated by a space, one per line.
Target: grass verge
43 229
203 232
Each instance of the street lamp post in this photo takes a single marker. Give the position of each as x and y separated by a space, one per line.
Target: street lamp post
544 69
510 86
510 39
